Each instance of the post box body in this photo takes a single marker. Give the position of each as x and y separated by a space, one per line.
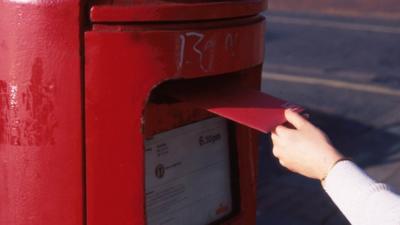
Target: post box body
41 139
125 64
79 95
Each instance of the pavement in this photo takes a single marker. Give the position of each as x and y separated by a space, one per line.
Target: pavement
346 72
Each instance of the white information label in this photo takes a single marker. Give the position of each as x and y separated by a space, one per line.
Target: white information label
188 177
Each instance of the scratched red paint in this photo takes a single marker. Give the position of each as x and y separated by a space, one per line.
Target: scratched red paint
41 166
26 115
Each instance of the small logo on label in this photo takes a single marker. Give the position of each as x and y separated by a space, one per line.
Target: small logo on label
160 171
222 209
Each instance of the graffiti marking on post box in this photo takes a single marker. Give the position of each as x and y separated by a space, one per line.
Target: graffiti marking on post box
182 51
196 47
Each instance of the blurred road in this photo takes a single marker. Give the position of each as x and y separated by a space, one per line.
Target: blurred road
388 9
346 72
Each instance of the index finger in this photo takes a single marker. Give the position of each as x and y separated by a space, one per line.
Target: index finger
295 119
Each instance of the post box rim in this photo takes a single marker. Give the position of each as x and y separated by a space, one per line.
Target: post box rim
174 12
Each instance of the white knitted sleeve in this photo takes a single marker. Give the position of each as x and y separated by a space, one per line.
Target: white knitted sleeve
362 200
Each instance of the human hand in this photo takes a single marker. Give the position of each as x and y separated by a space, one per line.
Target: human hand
303 149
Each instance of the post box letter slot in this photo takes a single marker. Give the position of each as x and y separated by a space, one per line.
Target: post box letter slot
245 106
191 156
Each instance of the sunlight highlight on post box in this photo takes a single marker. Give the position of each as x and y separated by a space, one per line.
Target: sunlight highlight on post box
188 174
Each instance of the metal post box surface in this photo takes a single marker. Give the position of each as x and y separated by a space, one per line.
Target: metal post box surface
132 50
114 112
41 168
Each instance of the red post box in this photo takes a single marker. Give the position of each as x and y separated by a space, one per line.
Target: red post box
131 113
41 140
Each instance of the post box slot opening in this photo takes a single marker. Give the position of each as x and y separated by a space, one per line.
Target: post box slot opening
180 118
227 97
180 136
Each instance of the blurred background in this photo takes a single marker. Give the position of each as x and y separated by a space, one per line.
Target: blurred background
341 60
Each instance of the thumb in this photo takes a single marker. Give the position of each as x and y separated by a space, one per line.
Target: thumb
294 118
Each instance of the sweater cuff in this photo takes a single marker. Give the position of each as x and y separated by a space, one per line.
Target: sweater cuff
346 183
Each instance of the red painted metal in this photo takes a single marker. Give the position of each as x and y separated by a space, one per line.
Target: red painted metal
41 137
175 11
124 64
40 113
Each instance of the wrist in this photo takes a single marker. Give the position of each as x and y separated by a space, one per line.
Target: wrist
338 158
332 156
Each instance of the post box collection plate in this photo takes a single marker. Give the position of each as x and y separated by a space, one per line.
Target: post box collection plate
188 174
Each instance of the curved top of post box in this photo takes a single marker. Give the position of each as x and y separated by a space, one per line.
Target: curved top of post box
162 11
